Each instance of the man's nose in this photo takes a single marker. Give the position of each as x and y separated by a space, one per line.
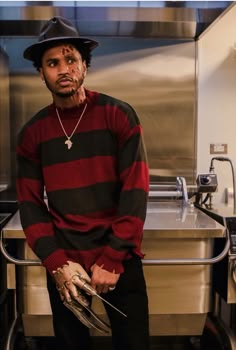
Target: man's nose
63 68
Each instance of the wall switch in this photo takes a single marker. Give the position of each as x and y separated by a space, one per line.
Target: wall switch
218 148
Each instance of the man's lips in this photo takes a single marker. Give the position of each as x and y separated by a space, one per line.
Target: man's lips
65 81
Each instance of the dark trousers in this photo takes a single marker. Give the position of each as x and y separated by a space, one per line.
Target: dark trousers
130 296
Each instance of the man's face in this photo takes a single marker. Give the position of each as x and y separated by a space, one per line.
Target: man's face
63 70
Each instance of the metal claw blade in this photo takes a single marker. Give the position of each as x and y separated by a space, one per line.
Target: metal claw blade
92 321
107 302
91 291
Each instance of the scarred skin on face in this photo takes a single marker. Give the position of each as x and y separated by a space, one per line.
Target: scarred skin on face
69 50
64 71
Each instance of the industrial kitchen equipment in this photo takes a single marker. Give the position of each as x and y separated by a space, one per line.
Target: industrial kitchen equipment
178 245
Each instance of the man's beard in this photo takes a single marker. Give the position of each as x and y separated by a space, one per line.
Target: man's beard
67 93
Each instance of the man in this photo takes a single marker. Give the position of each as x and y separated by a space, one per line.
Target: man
86 151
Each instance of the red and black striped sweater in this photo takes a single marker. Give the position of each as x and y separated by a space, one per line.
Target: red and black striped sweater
96 191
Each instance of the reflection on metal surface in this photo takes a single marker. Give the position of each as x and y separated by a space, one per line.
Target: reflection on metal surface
160 19
179 296
179 191
156 77
164 220
224 272
182 220
181 291
3 218
139 41
160 84
5 140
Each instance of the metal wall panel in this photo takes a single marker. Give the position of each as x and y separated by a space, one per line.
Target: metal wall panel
157 77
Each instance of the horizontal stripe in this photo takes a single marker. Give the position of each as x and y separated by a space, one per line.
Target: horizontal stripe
45 246
85 200
102 113
34 121
131 151
119 244
112 260
85 145
55 259
128 228
80 173
38 230
85 257
32 214
71 239
128 111
29 190
96 118
28 168
84 223
135 182
133 203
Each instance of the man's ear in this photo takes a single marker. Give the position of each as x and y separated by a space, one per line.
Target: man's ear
85 69
41 74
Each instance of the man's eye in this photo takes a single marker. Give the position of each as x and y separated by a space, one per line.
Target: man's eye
52 64
70 60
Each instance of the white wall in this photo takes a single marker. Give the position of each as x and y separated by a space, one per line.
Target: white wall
217 98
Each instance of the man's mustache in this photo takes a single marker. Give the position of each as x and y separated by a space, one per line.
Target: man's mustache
65 77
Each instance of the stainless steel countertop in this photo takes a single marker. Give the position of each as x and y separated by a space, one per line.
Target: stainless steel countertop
168 219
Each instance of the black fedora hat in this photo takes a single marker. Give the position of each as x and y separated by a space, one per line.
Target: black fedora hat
57 29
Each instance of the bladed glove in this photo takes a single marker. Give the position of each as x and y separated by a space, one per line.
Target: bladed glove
70 279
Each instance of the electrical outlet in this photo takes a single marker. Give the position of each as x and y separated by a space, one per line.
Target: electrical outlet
218 148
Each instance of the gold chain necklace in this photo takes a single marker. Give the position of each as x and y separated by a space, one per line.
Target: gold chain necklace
68 142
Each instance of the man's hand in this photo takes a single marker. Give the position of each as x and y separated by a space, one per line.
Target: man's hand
67 281
102 280
70 278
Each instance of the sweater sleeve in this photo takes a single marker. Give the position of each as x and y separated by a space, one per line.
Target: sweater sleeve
127 228
34 215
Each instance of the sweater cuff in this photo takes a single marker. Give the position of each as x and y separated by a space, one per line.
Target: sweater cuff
111 260
55 260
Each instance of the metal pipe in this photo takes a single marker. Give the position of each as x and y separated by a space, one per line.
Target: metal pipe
226 159
233 270
196 261
11 337
182 181
15 260
165 194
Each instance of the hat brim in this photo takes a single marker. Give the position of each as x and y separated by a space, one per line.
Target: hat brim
34 51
